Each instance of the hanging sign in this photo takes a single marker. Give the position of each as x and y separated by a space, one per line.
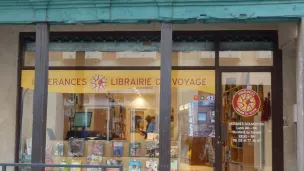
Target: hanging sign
101 81
246 102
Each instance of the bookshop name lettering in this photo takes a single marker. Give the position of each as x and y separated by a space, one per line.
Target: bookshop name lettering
125 81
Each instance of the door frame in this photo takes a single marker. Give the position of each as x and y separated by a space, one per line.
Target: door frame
276 108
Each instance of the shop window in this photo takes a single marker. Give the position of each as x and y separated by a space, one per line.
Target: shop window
246 58
201 53
112 117
97 117
246 50
193 124
99 50
97 58
193 58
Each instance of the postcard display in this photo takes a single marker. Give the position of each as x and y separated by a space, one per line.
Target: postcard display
134 156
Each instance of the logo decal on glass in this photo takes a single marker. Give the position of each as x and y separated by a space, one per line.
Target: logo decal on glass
246 102
98 82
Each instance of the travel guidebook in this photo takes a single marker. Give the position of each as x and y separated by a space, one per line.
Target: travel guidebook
134 150
76 147
59 149
134 165
117 149
173 165
97 148
113 163
94 169
76 162
63 162
174 151
112 169
152 165
152 149
48 150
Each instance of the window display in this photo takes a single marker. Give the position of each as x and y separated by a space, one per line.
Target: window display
104 101
118 123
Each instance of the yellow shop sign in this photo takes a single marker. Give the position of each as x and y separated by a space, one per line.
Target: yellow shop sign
100 81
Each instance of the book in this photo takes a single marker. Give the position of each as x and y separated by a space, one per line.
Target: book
63 162
117 149
94 169
153 136
134 150
48 160
134 165
48 150
76 147
94 160
59 149
97 149
76 162
152 165
112 169
173 165
112 162
174 151
152 149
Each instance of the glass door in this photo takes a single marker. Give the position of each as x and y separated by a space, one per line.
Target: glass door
246 122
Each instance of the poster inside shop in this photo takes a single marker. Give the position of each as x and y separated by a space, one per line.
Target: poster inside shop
102 81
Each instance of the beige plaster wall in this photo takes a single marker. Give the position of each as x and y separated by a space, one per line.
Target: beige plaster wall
8 74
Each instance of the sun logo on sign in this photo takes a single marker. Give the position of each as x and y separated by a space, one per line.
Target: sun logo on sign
98 82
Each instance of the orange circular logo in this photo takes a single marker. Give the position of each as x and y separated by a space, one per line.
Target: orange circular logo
246 102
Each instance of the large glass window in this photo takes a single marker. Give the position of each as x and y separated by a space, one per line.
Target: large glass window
106 117
97 58
99 117
246 58
193 120
109 115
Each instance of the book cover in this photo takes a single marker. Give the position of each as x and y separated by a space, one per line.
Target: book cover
153 136
152 165
76 147
59 149
173 165
76 162
93 158
117 149
152 149
48 160
97 148
174 151
48 150
112 169
63 162
94 163
134 150
112 162
134 165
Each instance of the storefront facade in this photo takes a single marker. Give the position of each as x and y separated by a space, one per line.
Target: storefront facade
160 95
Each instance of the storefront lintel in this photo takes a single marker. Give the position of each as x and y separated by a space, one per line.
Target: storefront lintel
96 12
